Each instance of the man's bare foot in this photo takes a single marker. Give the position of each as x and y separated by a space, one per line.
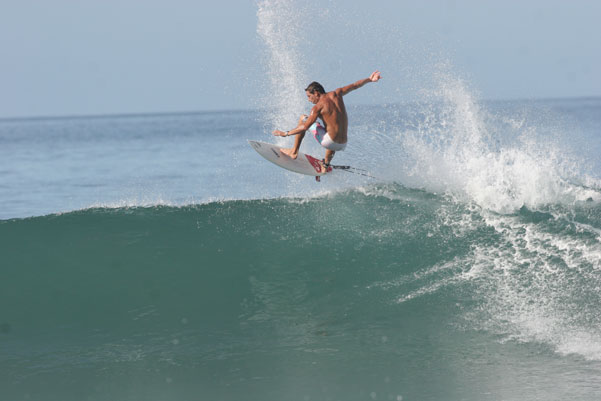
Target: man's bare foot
290 153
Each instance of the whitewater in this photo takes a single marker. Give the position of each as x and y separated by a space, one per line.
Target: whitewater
158 257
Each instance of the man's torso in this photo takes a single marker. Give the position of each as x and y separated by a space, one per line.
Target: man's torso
333 114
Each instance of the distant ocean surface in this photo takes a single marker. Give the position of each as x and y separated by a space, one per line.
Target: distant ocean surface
159 257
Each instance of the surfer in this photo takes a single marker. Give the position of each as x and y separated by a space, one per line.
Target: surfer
329 107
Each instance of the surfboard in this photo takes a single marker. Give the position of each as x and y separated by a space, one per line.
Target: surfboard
303 164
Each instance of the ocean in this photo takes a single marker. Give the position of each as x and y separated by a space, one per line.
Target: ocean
159 257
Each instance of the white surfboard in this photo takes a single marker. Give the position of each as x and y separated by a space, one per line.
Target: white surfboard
303 164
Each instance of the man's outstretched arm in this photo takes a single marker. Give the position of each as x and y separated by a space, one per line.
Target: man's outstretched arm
374 77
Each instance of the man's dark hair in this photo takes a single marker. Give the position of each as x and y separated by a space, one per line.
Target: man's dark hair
315 86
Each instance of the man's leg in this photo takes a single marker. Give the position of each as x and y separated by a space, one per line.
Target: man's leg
293 152
327 159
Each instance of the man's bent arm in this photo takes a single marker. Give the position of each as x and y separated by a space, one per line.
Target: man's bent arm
375 76
301 127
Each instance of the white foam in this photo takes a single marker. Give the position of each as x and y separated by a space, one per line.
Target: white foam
531 281
539 285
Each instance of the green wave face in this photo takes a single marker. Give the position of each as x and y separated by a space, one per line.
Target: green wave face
359 292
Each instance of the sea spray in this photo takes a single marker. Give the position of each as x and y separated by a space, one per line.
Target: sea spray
450 143
279 25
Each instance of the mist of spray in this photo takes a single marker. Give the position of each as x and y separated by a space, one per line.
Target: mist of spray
279 26
450 143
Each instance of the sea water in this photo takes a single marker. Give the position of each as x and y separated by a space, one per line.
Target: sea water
159 257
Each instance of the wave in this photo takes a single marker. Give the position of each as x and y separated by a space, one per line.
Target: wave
530 276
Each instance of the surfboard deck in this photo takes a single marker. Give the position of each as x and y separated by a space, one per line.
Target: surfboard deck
303 164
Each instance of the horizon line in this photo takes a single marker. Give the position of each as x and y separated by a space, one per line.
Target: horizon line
193 112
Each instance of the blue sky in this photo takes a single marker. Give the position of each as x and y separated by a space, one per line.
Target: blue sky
128 56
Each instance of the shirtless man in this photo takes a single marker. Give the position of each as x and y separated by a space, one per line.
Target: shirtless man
329 107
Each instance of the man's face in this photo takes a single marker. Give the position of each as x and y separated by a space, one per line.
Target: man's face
313 97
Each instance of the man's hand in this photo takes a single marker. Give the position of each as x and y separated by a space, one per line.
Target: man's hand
279 133
375 76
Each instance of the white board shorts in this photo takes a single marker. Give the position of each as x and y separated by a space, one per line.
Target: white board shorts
320 134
